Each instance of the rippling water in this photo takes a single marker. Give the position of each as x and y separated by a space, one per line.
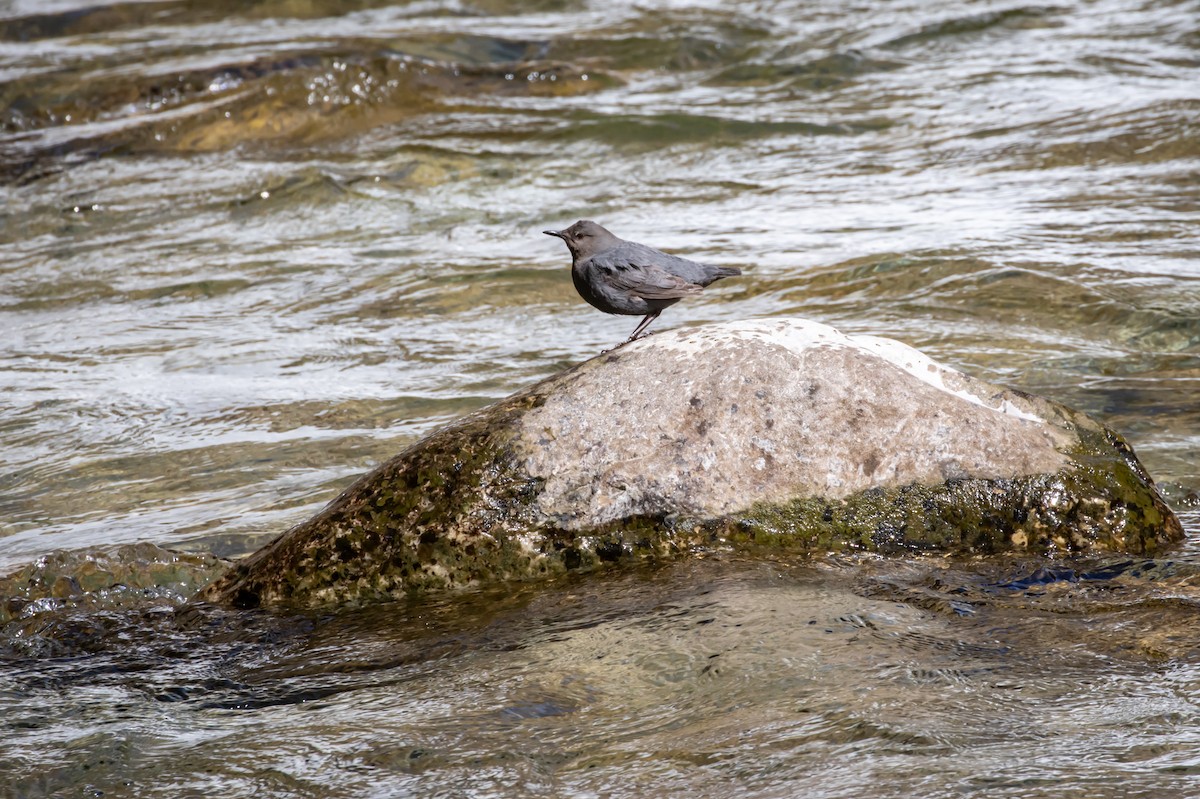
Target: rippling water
251 250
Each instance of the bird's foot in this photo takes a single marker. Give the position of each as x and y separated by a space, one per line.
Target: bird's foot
628 340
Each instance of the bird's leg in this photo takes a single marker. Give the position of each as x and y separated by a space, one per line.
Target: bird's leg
645 323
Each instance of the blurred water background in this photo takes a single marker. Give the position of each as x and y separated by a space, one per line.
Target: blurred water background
249 250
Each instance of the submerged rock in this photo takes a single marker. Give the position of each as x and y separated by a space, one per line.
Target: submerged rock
781 433
98 579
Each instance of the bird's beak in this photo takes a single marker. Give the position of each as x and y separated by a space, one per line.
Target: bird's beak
558 233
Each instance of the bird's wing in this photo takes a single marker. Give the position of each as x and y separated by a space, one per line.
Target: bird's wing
644 280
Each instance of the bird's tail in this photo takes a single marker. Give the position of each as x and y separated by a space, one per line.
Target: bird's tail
728 271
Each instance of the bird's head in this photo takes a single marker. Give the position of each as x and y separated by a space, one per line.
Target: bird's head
585 238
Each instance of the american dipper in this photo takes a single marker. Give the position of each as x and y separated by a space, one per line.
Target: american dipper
625 277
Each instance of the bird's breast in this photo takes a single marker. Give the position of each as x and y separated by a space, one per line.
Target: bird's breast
599 292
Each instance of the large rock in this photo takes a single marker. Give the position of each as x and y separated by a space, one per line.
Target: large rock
781 433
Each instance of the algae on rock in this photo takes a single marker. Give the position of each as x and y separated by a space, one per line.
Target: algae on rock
780 433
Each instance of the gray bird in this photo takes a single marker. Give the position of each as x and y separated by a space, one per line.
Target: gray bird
625 277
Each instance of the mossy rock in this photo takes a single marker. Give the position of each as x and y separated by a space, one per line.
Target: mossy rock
781 434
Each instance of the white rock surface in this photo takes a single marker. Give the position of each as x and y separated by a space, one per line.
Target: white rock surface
707 421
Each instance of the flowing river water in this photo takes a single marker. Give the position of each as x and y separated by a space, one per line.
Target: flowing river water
252 249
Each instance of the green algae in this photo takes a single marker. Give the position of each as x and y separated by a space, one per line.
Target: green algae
447 512
1077 510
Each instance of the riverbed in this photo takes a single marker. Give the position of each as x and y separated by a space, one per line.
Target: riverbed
252 250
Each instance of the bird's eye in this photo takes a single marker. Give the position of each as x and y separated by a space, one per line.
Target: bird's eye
582 235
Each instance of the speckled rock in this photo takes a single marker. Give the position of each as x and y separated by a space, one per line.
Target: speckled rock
778 433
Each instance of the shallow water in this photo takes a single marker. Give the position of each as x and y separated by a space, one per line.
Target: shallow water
249 253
